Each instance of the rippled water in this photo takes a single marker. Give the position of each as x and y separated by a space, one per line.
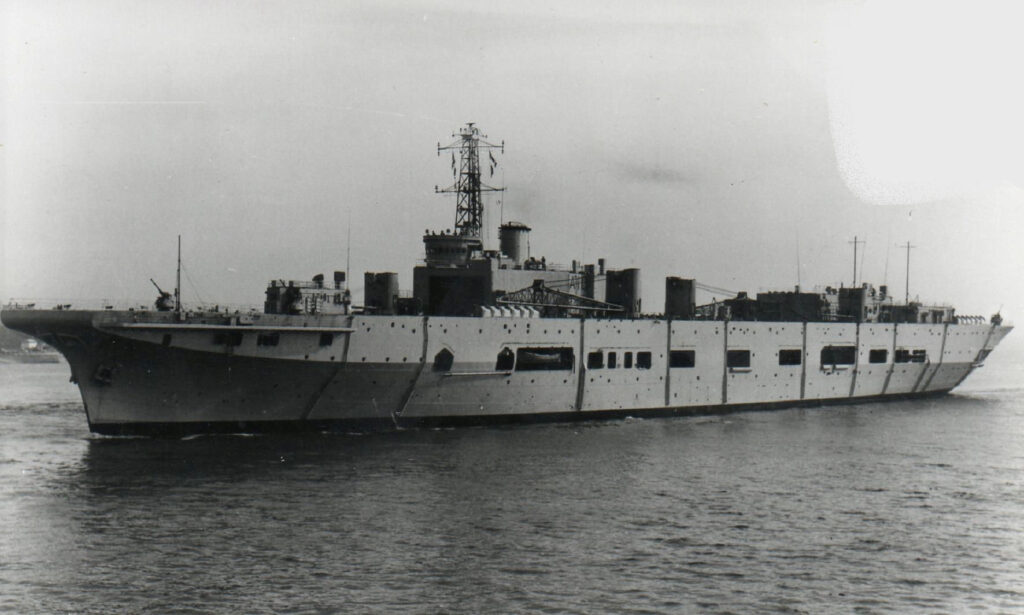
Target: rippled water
908 506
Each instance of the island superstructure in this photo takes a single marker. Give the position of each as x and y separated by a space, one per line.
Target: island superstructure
497 335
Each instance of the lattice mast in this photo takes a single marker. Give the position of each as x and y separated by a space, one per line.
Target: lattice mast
468 186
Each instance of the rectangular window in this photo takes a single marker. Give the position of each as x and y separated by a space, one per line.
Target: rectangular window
682 358
612 360
595 360
902 355
228 338
790 356
919 356
737 358
543 359
643 360
838 355
878 355
268 339
627 360
326 339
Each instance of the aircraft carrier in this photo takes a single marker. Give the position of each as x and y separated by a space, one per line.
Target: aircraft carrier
497 335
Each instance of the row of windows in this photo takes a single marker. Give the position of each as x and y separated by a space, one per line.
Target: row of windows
904 355
234 338
522 360
830 356
847 355
733 358
561 358
596 360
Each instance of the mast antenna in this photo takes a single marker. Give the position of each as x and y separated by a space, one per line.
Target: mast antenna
908 248
885 275
348 251
177 285
855 242
501 201
468 186
797 260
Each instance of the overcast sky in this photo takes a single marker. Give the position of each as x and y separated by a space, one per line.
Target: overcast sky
721 141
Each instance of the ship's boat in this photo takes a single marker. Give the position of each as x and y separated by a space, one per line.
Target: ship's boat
497 335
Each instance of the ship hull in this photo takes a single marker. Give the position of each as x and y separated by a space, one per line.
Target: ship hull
146 373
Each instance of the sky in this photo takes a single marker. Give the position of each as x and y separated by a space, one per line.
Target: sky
744 144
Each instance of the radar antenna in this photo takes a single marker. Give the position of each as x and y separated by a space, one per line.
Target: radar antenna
468 186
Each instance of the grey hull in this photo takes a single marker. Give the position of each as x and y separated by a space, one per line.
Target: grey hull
382 372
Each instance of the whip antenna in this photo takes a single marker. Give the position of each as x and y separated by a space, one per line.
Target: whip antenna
177 285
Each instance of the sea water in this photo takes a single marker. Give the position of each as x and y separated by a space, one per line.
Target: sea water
913 506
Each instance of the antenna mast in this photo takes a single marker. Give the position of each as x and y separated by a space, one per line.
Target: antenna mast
346 295
798 259
908 247
177 285
468 187
348 251
855 242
